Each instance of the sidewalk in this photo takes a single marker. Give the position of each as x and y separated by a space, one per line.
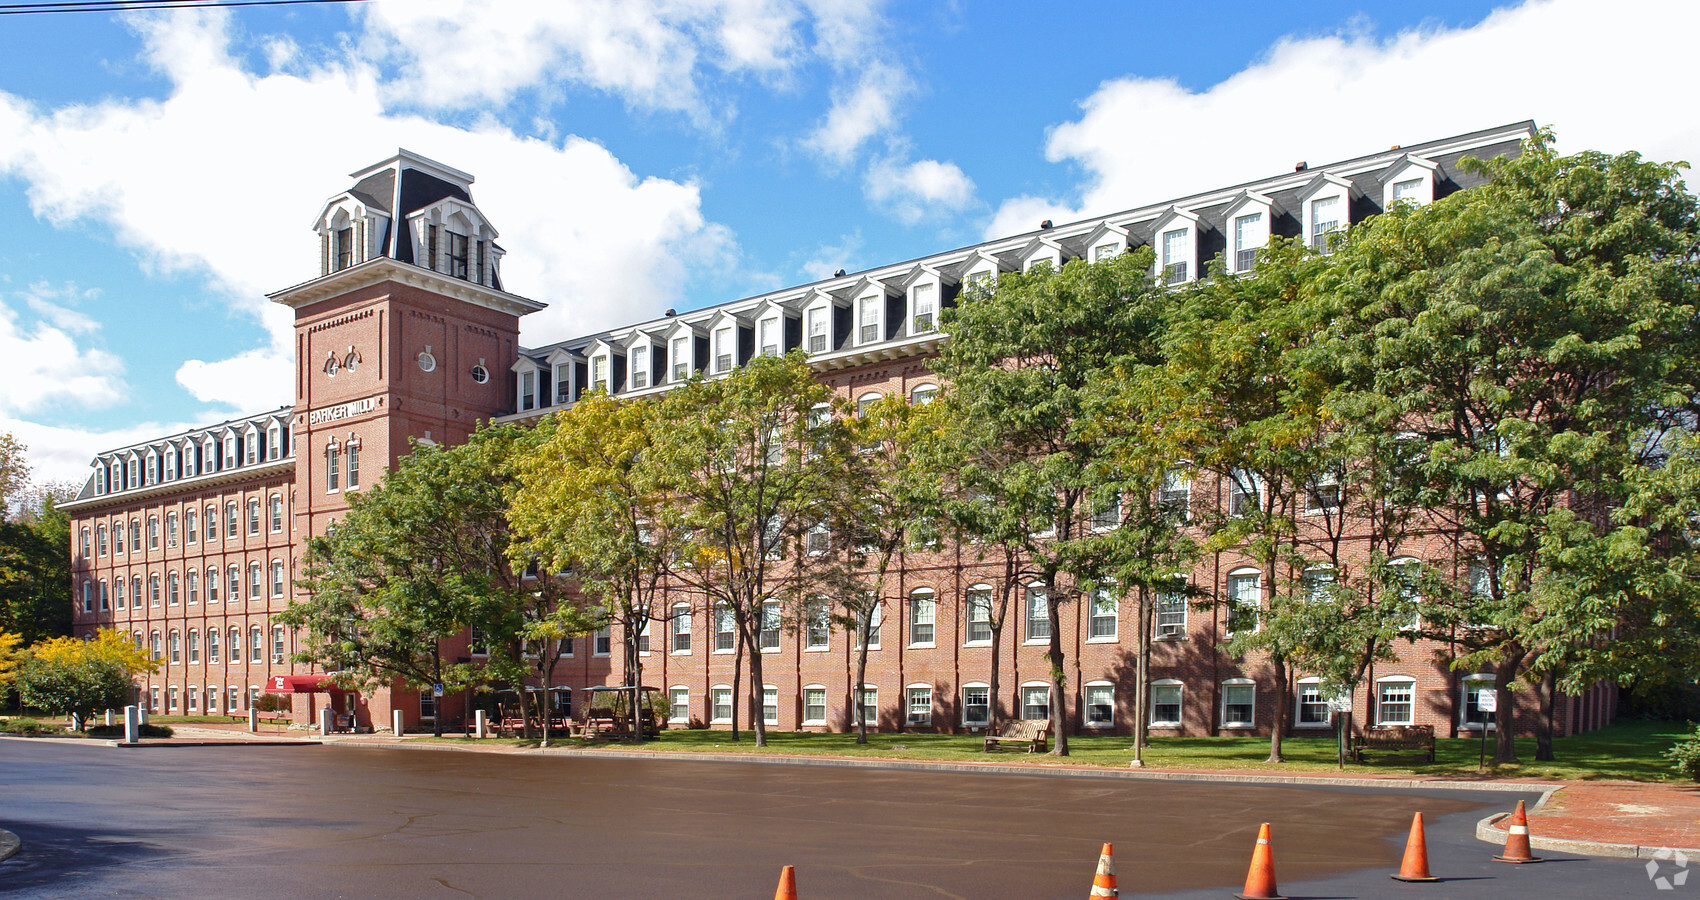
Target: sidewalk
1600 818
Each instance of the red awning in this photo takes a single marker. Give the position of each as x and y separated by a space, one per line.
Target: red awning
302 684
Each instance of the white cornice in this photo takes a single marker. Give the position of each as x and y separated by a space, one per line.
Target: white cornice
258 471
382 269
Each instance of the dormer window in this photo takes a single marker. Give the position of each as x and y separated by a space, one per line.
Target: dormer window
1105 251
253 446
818 322
230 451
868 319
458 255
563 384
344 247
527 390
681 358
1326 210
1250 233
1410 180
1325 216
768 334
638 362
1175 255
923 307
1409 191
723 349
599 372
209 456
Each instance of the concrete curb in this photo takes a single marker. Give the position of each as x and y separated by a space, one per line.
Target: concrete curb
984 769
167 742
1489 834
10 844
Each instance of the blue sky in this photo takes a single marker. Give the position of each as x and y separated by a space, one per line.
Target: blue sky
159 171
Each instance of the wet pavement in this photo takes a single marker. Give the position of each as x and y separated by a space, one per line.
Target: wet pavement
328 821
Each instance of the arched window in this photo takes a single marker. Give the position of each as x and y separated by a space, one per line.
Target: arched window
256 645
172 643
212 646
923 611
194 646
192 584
1245 600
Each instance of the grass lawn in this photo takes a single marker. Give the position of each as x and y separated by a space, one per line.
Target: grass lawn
1630 750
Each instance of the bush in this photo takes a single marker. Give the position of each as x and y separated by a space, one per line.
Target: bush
1685 756
117 731
32 727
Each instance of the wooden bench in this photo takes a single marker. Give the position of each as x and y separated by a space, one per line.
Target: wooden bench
1035 733
1395 739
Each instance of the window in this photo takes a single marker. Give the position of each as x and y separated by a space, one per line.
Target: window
817 625
1171 612
1036 701
230 451
681 627
254 516
1038 613
100 540
1107 513
767 336
979 615
1248 238
83 544
924 394
722 702
192 582
1100 704
769 705
233 581
868 705
88 596
769 637
1102 626
603 642
1471 715
457 255
643 636
1406 574
818 319
868 319
922 611
1394 701
976 705
817 539
235 645
277 642
353 466
1244 489
190 532
254 588
171 705
1313 710
135 535
1322 495
231 526
924 307
1239 703
230 705
639 363
344 248
153 645
153 701
919 703
153 532
194 646
723 349
274 442
277 578
173 643
679 704
1324 221
1408 191
1166 703
212 523
333 456
212 585
681 354
1245 595
212 645
153 590
277 512
118 593
528 387
725 639
171 529
814 705
1175 255
1317 584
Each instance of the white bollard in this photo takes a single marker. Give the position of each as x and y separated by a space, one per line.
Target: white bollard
76 722
109 718
253 719
395 722
325 717
480 728
143 712
132 725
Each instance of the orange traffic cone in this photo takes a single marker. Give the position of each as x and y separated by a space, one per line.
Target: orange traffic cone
1104 883
1260 880
787 884
1415 865
1517 840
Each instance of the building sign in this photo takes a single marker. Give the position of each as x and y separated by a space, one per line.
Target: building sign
342 411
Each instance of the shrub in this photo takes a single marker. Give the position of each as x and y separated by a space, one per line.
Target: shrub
1685 756
33 727
117 731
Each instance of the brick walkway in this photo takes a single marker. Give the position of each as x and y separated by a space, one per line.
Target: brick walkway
1616 812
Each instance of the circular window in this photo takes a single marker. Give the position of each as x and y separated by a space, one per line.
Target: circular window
480 374
427 362
352 362
331 366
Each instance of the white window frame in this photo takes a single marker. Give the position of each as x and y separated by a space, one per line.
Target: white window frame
639 365
770 705
679 630
1086 705
1163 686
1101 596
872 302
680 366
924 307
986 718
814 720
725 347
819 314
1026 691
1030 632
923 617
977 597
1382 685
1231 686
715 694
1300 688
911 693
721 615
867 700
679 704
771 614
817 625
1237 595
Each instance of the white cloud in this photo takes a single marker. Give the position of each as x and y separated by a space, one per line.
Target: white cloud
859 113
584 233
1599 78
918 190
62 454
45 363
820 263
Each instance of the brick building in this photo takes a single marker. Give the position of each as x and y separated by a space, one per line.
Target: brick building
408 333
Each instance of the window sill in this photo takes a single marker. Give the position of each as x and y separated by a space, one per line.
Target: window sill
1098 726
724 652
1172 638
1103 640
1164 725
1036 642
770 649
820 722
976 643
826 649
1314 726
678 653
927 645
1238 725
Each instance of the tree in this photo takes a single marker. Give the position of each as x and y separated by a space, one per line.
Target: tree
1025 365
14 472
35 563
79 678
588 500
11 656
749 462
419 559
1534 336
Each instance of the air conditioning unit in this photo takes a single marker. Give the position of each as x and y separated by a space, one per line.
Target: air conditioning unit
277 659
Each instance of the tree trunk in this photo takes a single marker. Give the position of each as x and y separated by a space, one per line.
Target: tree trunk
1505 713
758 721
737 674
992 699
1278 728
1142 676
636 666
1059 676
863 626
437 702
1546 723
